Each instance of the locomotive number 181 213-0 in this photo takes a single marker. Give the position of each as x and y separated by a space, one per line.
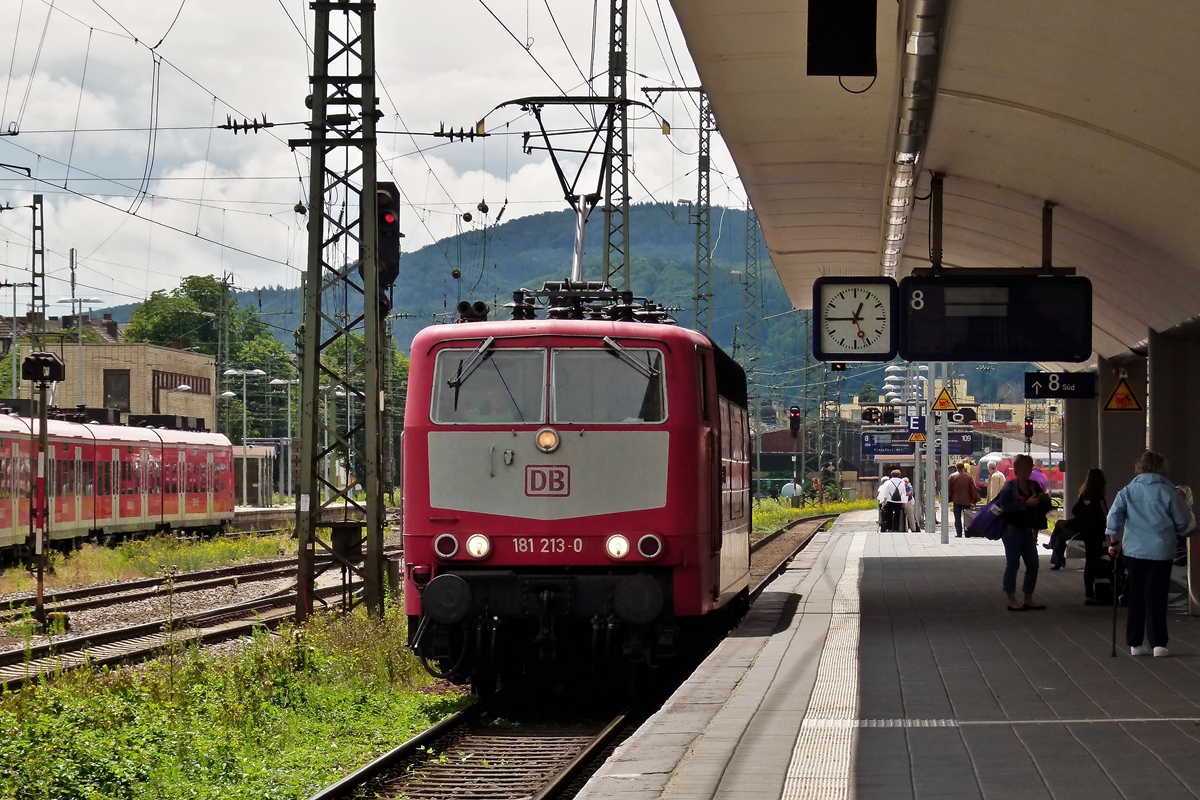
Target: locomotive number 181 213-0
547 544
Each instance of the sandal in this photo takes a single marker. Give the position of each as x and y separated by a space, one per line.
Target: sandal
1034 608
1017 608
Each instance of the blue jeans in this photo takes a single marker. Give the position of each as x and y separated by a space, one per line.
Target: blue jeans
1019 543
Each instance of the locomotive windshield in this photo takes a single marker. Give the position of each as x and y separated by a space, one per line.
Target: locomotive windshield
604 386
506 386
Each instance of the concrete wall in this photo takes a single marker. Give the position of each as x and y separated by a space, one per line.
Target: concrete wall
1082 446
1175 404
1122 433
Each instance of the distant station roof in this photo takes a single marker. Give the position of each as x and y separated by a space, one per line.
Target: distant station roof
1091 106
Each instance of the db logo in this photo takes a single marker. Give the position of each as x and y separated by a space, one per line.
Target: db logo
542 480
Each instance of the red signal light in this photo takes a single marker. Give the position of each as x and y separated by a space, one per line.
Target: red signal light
389 217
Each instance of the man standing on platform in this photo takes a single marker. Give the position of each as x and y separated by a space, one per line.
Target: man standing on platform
995 481
963 495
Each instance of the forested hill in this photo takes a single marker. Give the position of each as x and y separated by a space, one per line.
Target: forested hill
524 252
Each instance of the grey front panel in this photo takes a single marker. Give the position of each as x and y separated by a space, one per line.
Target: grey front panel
495 472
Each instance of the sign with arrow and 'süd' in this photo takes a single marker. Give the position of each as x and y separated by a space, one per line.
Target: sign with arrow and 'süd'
1060 385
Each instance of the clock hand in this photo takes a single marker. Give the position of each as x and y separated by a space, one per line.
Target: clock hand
841 319
858 312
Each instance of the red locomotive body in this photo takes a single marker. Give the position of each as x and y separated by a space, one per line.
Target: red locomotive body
571 486
108 480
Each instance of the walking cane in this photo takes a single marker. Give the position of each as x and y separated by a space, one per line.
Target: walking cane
1116 573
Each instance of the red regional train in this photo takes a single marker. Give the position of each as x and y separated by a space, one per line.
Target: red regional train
110 480
577 488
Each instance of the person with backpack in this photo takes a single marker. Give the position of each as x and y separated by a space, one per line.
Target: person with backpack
892 497
1142 524
1023 505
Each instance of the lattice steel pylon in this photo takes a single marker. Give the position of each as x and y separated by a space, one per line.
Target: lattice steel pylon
616 183
38 272
342 266
702 306
702 296
751 313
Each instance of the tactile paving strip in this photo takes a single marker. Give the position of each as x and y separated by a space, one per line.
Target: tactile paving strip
821 760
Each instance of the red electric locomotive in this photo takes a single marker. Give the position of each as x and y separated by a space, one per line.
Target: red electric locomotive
576 488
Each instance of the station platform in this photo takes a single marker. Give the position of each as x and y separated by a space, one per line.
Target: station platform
885 665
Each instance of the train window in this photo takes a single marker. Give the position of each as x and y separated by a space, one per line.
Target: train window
702 370
596 385
506 385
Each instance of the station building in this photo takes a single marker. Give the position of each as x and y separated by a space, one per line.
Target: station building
136 379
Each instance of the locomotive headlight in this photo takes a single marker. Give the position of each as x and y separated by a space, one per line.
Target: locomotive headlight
546 440
617 546
650 546
445 545
478 545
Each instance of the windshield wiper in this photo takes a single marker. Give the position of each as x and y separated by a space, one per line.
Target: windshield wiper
630 359
473 361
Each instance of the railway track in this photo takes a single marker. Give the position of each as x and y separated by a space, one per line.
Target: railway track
756 547
109 594
139 642
476 754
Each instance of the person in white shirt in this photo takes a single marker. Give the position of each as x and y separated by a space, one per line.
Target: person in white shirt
910 507
893 498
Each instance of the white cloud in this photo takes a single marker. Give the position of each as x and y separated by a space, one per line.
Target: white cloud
444 62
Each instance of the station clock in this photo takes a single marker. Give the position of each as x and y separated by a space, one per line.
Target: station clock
854 319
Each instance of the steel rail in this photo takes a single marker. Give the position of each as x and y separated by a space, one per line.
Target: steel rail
394 772
783 564
127 591
18 667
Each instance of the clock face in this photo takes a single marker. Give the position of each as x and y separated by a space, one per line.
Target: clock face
855 319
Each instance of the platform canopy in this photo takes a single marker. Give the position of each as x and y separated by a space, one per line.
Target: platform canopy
1091 105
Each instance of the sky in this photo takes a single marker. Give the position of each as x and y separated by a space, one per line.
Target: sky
114 104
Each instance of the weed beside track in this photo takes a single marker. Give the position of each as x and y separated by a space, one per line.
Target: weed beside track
278 717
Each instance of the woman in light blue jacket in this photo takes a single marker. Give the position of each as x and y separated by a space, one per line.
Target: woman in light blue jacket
1142 523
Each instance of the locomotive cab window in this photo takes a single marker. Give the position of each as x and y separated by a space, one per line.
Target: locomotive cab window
495 386
622 386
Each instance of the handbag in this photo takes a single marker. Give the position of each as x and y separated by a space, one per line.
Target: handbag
988 523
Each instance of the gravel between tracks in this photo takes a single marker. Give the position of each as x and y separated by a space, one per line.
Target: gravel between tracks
764 561
140 611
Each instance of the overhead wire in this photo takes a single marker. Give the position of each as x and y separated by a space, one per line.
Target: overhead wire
37 57
12 60
170 27
563 39
160 224
78 105
152 136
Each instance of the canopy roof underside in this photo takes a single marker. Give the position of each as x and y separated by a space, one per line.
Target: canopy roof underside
1092 105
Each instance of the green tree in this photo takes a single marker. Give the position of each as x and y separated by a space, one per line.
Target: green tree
867 393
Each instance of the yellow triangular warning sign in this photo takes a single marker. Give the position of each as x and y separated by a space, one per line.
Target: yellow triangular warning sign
917 437
944 402
1122 398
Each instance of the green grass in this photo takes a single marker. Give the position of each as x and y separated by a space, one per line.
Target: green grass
146 558
278 719
770 515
